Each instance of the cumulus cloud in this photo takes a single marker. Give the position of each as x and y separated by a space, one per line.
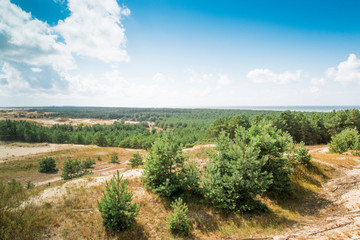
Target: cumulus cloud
346 72
30 41
266 75
94 29
224 80
158 77
37 58
318 81
218 80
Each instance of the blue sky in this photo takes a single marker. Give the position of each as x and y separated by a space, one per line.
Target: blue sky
142 53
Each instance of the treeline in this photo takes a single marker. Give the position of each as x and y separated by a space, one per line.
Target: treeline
190 127
119 134
310 128
145 114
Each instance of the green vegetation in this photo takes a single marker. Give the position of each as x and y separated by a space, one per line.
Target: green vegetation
165 171
347 139
18 221
88 163
178 221
114 158
73 169
116 209
47 165
136 160
234 177
190 126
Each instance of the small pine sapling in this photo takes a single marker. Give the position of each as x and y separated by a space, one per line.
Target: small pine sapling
116 209
178 221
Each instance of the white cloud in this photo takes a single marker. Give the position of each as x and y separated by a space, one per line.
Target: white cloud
196 77
265 75
158 77
224 80
35 69
347 72
318 81
94 29
27 40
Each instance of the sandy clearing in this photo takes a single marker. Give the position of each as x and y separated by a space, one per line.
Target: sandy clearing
198 147
11 150
341 219
54 194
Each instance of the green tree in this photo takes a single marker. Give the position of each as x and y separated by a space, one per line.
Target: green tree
116 209
178 221
164 171
234 176
114 157
73 169
136 160
47 165
347 139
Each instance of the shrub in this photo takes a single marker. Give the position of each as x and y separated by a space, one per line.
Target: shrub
345 140
164 171
88 163
275 145
99 158
116 209
18 220
72 169
114 158
178 221
136 160
47 165
29 185
302 155
234 176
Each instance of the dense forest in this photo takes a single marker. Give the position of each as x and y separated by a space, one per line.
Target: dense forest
190 126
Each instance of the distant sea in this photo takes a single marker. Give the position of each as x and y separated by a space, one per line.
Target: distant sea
291 108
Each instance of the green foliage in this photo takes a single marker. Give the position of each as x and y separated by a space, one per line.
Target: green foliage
178 221
275 145
17 220
234 176
114 157
47 165
136 160
73 169
29 185
99 158
116 209
302 155
88 163
164 171
347 139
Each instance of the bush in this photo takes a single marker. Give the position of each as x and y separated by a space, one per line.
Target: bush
47 165
275 145
114 158
29 185
116 209
72 169
18 220
165 171
302 155
234 177
136 160
345 140
88 163
178 221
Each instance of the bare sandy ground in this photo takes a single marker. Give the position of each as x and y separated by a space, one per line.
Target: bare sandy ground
12 150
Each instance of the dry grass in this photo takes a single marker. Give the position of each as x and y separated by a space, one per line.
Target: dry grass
76 216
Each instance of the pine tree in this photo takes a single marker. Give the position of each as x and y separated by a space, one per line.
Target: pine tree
178 221
116 209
